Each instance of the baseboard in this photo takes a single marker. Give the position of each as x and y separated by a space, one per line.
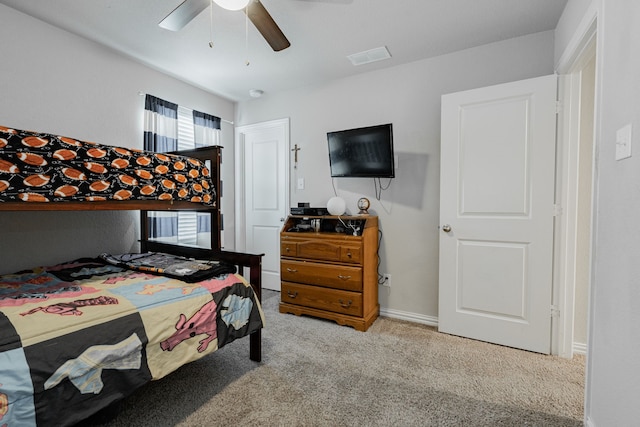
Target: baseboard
579 348
409 317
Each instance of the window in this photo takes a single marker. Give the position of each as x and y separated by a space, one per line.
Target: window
184 228
187 221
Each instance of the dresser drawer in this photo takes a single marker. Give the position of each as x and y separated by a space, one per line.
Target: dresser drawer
288 248
351 254
329 275
324 250
334 300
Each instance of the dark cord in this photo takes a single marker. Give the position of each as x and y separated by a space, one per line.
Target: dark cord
380 276
379 188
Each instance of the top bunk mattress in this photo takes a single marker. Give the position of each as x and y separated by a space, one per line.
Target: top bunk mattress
41 167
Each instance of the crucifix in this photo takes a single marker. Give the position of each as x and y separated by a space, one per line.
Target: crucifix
295 150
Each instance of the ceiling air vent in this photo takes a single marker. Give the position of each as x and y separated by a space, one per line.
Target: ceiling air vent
368 56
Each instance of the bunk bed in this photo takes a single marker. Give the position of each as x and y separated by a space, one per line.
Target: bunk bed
78 336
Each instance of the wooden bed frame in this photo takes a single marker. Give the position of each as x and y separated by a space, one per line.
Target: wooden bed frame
251 262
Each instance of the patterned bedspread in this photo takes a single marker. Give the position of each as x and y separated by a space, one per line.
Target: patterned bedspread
40 167
79 336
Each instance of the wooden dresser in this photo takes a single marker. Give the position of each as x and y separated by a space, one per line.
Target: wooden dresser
329 272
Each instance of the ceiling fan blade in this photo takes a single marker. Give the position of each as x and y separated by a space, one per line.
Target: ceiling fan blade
183 14
266 26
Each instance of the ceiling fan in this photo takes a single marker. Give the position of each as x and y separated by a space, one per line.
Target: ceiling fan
256 12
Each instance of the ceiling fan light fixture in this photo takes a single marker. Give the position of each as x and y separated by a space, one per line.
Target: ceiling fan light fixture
232 4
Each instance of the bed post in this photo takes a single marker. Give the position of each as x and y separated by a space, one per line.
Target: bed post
144 231
241 260
255 278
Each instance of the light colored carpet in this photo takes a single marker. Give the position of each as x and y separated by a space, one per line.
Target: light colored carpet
316 373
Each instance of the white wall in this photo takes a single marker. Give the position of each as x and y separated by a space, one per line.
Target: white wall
52 81
409 97
613 365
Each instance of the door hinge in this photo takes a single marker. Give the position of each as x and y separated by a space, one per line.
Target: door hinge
558 107
557 210
555 311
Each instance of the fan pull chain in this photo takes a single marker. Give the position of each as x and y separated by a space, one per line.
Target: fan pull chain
211 25
246 36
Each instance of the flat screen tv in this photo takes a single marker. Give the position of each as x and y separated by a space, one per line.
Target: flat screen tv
362 153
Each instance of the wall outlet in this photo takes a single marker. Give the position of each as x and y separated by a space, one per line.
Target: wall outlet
387 280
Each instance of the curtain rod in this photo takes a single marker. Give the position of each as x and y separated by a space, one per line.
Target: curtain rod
224 120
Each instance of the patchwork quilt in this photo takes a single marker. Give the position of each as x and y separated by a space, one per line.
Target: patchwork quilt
78 336
41 167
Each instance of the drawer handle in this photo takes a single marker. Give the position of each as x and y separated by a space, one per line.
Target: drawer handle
345 305
348 254
292 294
340 276
287 249
292 270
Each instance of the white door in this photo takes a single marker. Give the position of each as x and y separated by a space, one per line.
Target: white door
497 213
264 191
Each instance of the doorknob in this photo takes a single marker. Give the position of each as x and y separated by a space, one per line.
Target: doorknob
281 219
446 228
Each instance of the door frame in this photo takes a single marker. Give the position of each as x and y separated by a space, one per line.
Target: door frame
569 70
239 157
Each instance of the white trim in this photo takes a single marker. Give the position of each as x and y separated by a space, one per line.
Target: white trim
585 32
581 38
573 143
579 49
579 348
409 317
240 205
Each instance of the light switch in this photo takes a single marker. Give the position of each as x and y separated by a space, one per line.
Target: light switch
623 142
300 183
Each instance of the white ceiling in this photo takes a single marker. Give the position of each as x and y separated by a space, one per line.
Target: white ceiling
322 33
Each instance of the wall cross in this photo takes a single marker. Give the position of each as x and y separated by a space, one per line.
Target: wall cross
295 150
